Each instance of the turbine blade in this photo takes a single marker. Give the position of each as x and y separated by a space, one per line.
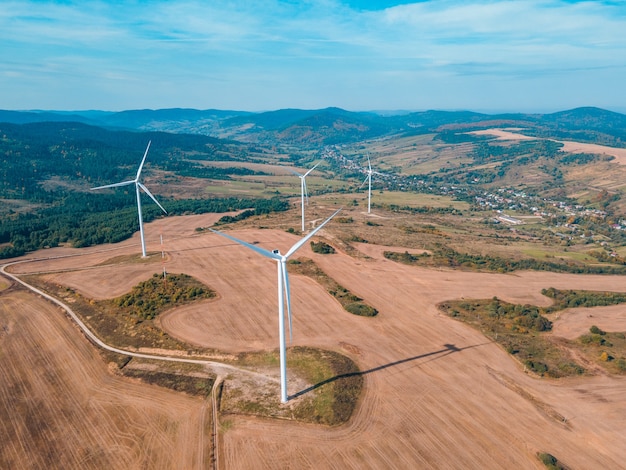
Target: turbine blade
145 190
369 164
114 185
304 240
294 171
364 181
283 268
142 161
306 193
258 249
312 169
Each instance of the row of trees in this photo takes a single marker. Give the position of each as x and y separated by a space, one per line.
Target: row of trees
445 256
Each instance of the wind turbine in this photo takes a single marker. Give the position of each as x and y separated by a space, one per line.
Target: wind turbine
368 178
303 192
138 184
283 291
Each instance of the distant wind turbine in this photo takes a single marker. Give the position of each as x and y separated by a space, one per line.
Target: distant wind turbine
368 178
138 184
303 192
283 291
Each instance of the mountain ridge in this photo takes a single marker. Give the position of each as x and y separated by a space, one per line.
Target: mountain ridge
332 125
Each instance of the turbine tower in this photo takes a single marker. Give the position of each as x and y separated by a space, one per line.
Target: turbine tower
283 292
303 192
138 184
368 178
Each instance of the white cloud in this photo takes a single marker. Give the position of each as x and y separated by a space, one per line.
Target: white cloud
308 47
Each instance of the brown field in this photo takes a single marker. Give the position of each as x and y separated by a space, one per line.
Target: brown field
437 394
568 146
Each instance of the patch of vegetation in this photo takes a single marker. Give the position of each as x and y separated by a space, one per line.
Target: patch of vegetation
149 298
520 329
581 298
336 380
605 348
110 324
334 387
445 256
229 219
191 385
322 248
372 224
348 300
361 309
344 220
550 461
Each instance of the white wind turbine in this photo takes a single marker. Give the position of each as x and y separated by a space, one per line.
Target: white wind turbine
368 178
303 192
283 291
138 184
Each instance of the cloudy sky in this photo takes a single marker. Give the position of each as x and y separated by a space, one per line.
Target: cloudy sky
481 55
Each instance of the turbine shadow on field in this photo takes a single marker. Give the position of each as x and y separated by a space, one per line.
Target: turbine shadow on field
447 349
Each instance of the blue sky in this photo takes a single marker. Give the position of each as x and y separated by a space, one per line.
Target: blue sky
481 55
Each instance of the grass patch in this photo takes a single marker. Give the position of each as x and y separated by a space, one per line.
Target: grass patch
350 302
607 349
522 331
518 328
191 385
149 298
113 324
333 390
322 248
550 461
337 385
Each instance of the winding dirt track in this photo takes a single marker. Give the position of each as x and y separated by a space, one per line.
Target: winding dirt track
437 393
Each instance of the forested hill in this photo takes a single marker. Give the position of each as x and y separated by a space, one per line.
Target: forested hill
314 128
33 153
46 170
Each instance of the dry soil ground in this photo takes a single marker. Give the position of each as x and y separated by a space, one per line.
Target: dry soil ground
437 393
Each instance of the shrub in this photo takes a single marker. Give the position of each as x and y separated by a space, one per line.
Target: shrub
323 248
596 331
537 367
361 309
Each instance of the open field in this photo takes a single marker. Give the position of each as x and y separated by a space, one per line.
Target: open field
414 154
437 393
61 408
568 146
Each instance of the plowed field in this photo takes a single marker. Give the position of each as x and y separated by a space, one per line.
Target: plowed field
437 393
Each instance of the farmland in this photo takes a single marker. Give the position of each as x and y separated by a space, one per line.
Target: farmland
466 231
417 364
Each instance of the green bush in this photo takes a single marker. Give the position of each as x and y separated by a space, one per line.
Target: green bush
596 331
323 248
361 309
